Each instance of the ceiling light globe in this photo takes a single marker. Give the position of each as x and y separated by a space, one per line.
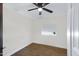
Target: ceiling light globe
39 9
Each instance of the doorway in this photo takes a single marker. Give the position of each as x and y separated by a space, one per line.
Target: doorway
1 44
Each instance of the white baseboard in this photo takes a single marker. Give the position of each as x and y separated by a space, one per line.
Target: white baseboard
50 45
11 53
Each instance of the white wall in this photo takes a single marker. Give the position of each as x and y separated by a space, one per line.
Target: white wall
16 31
20 30
60 22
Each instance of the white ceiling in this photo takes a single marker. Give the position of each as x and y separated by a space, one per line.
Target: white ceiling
21 8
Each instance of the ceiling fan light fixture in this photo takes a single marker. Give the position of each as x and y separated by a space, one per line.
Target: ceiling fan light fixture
40 9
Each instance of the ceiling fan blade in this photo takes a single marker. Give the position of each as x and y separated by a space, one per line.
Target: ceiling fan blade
32 9
35 4
47 10
44 4
40 13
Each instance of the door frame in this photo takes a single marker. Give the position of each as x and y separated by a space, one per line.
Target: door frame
69 30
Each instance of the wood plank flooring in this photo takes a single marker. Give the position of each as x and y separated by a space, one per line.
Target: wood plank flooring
41 50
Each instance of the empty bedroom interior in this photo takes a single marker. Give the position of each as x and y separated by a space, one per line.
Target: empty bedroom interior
26 33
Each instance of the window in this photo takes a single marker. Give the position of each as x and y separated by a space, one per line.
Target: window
48 30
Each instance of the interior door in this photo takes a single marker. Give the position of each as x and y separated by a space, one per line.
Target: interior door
75 29
1 43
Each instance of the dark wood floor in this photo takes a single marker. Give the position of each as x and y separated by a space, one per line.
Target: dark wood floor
41 50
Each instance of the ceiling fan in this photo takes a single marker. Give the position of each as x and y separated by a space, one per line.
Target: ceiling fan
40 7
